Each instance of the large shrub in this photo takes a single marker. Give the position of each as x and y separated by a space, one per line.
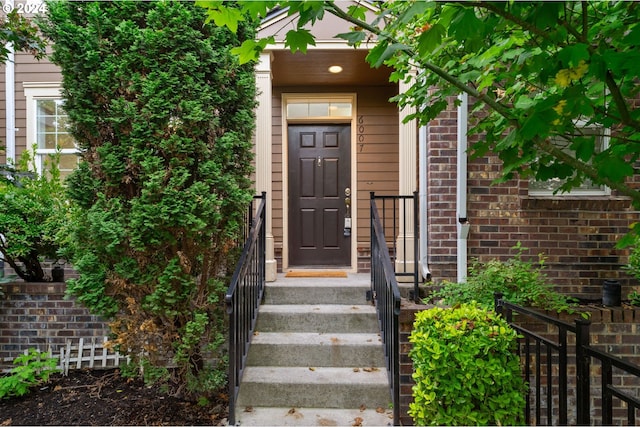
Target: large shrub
32 210
163 116
521 282
465 369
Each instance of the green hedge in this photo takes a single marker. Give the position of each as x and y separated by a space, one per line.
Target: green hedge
465 368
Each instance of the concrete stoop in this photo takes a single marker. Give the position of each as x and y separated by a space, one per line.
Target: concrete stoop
316 357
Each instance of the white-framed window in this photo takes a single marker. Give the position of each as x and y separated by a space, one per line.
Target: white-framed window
47 127
588 187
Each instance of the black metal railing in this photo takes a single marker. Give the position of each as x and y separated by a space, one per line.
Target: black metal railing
386 295
244 296
546 357
399 218
609 390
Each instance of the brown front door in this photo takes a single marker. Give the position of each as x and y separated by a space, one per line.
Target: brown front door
319 174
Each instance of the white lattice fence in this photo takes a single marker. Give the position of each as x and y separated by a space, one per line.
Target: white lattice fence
92 355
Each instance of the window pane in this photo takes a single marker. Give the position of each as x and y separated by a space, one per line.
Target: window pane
587 187
51 123
66 141
46 107
297 110
340 110
319 109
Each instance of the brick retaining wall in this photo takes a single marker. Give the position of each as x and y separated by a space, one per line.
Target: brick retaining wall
37 315
615 330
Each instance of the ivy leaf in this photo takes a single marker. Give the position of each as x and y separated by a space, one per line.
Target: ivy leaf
298 40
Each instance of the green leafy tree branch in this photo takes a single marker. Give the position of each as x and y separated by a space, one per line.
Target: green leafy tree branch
542 72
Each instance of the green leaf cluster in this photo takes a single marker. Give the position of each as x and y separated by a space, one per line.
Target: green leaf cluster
520 281
33 208
19 32
31 369
466 371
163 114
538 75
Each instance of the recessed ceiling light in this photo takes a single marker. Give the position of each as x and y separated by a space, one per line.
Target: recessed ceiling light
335 69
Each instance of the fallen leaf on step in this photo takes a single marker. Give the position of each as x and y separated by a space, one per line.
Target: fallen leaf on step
293 412
7 422
357 422
248 409
363 408
370 369
256 333
356 369
312 369
380 410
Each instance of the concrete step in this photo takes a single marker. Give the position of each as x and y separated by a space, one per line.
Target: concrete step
315 349
295 387
287 416
310 293
327 318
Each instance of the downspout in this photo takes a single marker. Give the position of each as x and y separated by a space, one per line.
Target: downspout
461 188
10 113
422 196
10 105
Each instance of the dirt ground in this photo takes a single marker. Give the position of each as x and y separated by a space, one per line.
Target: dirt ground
105 398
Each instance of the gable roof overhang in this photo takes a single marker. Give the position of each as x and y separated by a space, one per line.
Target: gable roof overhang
312 68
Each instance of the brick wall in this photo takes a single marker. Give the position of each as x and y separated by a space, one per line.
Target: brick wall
577 234
37 315
614 330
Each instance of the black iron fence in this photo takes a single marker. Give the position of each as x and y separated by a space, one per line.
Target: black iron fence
557 363
244 296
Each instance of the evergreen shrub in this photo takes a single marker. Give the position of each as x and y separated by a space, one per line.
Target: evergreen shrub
163 115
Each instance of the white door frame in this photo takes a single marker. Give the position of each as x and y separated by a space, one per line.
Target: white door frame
288 98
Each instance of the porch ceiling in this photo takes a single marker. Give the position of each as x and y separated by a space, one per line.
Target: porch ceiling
311 69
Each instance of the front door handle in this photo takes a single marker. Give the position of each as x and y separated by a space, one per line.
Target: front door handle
347 215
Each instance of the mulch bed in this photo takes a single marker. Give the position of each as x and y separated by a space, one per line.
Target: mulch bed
103 397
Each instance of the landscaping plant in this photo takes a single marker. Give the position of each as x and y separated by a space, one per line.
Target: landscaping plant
466 371
633 268
30 370
521 282
163 116
32 210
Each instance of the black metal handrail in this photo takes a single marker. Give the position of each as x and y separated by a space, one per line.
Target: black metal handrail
243 298
396 213
386 295
584 352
